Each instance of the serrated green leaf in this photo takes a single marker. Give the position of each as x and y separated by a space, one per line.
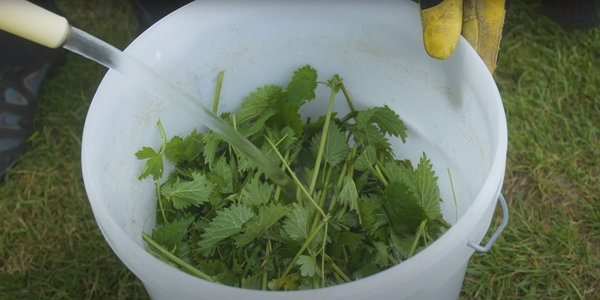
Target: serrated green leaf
252 232
174 149
258 124
381 256
363 118
366 271
397 172
403 208
371 135
283 138
428 190
336 148
302 86
389 122
348 194
308 265
286 115
353 240
211 144
192 145
171 233
287 283
270 214
244 165
366 159
186 193
145 153
253 282
296 224
256 192
351 219
154 164
267 216
228 222
257 103
223 170
372 215
182 250
402 245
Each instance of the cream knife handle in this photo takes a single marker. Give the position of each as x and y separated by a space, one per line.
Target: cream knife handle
34 23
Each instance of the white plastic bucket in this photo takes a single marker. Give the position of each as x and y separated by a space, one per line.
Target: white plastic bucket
452 110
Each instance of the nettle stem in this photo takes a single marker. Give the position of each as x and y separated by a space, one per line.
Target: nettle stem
337 269
336 81
295 179
323 255
162 209
163 146
218 91
420 231
347 96
312 235
176 259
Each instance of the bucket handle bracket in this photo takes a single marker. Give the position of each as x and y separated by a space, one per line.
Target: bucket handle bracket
496 234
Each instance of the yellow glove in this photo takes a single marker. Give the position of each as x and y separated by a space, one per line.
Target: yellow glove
479 21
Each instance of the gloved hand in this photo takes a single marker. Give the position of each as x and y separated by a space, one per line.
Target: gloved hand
479 21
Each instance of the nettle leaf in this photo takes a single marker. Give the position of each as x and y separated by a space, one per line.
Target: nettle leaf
351 219
256 125
428 190
308 265
174 149
192 145
211 144
286 115
389 122
288 283
366 159
256 192
397 173
154 164
184 194
172 233
257 103
270 214
227 223
267 216
296 224
403 208
244 165
348 194
401 245
381 256
363 118
311 128
302 86
283 138
336 148
253 282
372 215
223 170
371 135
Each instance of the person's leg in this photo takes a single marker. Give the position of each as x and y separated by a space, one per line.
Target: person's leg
23 67
147 12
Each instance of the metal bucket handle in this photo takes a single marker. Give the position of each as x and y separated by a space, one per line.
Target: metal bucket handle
496 234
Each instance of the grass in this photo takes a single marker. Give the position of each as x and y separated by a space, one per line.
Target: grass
51 248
